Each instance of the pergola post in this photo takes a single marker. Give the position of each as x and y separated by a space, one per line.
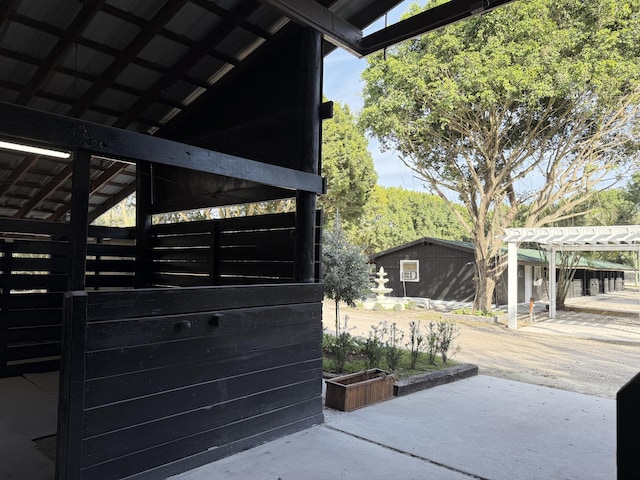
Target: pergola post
552 282
512 281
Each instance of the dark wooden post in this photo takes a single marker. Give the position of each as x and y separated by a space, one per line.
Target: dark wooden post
7 249
71 394
79 220
628 429
143 224
308 152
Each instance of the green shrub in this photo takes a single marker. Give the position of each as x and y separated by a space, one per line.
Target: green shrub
410 305
392 351
377 307
416 343
447 333
373 348
397 307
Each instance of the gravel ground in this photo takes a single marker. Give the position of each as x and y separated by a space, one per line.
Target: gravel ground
593 367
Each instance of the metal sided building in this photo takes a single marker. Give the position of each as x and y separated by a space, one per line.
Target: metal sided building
182 343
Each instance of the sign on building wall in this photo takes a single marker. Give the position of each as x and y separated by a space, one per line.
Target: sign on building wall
410 270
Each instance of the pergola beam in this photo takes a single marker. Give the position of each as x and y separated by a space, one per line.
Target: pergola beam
562 239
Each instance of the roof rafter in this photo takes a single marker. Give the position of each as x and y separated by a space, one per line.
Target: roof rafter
122 61
217 35
62 46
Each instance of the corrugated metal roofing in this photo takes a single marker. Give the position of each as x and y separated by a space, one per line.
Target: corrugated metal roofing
132 64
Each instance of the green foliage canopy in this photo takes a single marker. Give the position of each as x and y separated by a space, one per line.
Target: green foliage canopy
394 216
347 166
535 103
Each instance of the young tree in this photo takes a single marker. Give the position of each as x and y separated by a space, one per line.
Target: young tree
536 103
345 270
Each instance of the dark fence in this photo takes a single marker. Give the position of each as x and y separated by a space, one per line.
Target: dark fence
157 381
232 251
34 266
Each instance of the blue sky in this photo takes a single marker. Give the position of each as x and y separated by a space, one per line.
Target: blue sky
342 84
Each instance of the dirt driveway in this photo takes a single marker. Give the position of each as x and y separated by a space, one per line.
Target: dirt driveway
586 366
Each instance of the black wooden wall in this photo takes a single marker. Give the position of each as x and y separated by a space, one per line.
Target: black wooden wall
34 267
445 273
157 381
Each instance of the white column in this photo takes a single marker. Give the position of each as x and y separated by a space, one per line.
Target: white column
528 282
512 284
552 283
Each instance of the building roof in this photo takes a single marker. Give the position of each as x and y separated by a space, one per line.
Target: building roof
526 256
140 64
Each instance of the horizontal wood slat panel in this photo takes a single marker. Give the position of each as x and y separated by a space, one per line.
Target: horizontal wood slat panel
305 412
186 240
32 351
109 280
40 247
206 419
257 268
32 334
105 390
258 222
106 363
240 280
142 302
144 331
110 250
25 301
167 280
50 281
188 400
34 317
39 264
256 252
191 255
183 267
110 265
269 237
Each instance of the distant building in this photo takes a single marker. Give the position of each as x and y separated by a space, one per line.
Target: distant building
445 270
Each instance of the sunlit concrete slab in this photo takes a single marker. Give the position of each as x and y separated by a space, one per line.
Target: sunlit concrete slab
481 427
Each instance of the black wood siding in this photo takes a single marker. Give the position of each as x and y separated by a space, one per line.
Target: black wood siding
445 273
160 381
34 276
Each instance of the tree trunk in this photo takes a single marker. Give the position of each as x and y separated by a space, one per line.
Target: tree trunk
337 318
485 288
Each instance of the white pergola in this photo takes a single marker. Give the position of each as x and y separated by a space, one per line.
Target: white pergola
556 239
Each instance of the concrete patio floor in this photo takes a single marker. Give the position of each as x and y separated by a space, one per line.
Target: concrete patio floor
481 428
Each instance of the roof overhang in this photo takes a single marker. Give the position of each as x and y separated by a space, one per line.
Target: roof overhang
340 32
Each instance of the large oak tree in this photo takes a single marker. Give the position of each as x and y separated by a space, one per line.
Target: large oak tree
533 105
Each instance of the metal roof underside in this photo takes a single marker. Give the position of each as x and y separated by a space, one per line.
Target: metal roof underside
615 238
137 64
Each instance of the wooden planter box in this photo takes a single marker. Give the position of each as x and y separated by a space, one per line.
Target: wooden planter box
357 390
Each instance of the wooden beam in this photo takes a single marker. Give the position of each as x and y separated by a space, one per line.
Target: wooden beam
143 223
64 132
79 220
